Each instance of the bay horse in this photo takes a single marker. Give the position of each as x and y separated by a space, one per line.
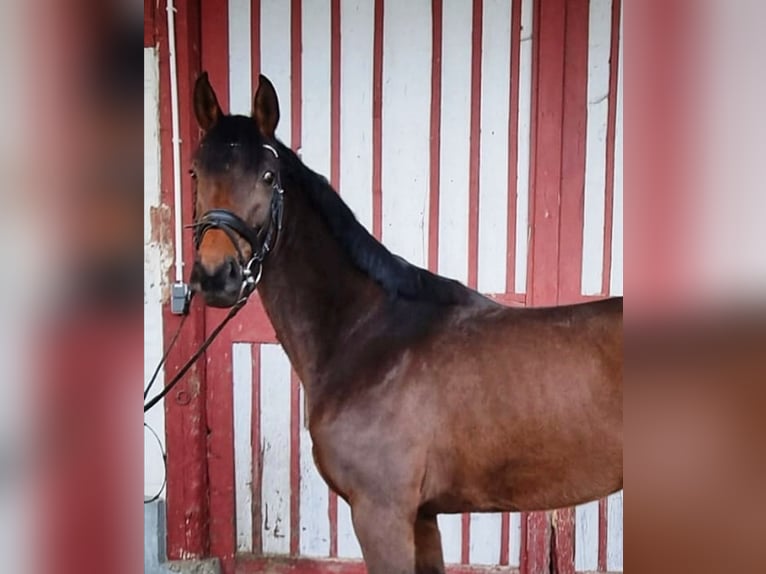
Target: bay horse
423 396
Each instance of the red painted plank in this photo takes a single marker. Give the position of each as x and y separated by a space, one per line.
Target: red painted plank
535 543
335 176
505 532
214 55
548 103
436 126
563 541
335 111
475 146
545 179
252 323
296 71
332 514
220 440
150 36
255 442
602 534
573 134
185 412
611 129
255 41
571 212
465 541
214 50
513 144
295 463
377 119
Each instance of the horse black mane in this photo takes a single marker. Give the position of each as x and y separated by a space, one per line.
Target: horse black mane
394 274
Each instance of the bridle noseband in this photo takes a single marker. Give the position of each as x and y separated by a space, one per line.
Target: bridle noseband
261 240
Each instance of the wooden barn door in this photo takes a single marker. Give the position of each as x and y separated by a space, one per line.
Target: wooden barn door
480 139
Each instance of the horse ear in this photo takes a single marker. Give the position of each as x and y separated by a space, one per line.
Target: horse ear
206 106
266 107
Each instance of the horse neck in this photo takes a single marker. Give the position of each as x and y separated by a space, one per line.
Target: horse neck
311 292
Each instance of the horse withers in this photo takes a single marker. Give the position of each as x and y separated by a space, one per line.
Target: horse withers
423 396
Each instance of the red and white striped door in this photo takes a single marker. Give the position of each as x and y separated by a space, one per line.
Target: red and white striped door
481 139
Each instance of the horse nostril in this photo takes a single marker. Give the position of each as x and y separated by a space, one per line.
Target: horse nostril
232 269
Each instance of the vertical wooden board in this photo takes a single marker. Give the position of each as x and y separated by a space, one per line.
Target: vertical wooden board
275 59
154 468
314 522
357 23
571 199
514 544
614 535
240 61
524 142
242 375
315 109
454 143
275 446
450 526
599 43
615 280
405 137
586 537
348 545
536 543
216 49
485 539
493 178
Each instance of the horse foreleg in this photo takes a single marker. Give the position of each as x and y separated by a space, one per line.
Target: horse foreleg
386 536
428 546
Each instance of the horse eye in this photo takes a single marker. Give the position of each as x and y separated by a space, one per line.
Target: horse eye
193 174
268 177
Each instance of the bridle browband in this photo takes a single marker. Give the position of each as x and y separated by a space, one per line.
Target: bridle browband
261 240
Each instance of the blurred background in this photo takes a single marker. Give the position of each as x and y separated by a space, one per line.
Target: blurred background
71 327
71 321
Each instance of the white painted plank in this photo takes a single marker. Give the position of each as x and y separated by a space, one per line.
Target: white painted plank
314 521
240 64
454 143
514 544
315 128
586 537
151 137
154 468
614 533
242 375
451 531
599 40
484 547
357 23
275 59
406 128
275 444
348 545
493 172
615 281
524 144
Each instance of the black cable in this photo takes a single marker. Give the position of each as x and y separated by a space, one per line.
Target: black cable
164 464
165 356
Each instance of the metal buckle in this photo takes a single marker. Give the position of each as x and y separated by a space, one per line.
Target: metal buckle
250 281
